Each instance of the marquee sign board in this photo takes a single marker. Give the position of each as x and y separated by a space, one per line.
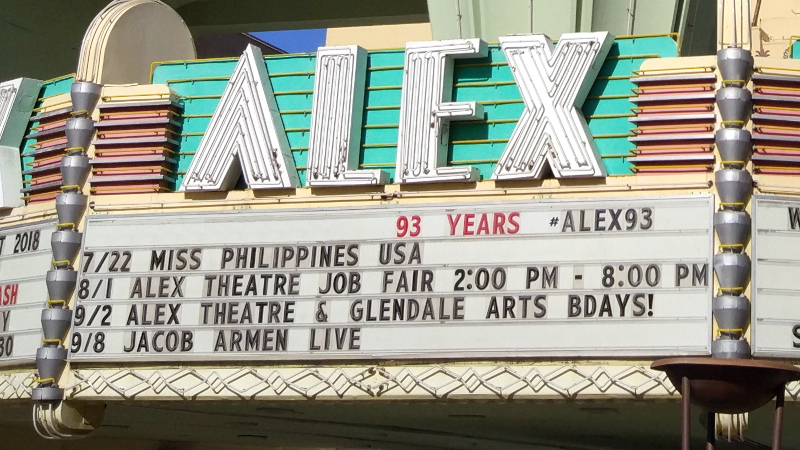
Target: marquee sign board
775 324
606 277
24 259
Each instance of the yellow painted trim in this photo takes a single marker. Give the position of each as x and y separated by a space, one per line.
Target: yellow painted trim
300 92
382 68
608 97
383 108
41 108
110 98
644 56
492 64
192 80
761 69
292 74
382 88
709 107
381 126
609 116
62 77
498 102
479 141
199 97
702 69
611 136
485 83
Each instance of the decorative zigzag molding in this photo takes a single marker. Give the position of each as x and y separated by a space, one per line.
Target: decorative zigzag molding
399 383
246 126
573 382
16 385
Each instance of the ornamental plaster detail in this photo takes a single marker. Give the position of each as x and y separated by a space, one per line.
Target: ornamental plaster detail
16 385
127 36
567 382
430 382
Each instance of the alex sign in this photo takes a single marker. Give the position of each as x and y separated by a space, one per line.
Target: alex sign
246 131
600 278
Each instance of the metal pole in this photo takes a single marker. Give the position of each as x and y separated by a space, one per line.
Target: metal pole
777 423
711 430
686 430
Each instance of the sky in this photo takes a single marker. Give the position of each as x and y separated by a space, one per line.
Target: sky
294 41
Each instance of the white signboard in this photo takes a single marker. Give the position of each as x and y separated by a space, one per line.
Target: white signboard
775 329
24 260
607 277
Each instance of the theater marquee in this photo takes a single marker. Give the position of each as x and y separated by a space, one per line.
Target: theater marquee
607 277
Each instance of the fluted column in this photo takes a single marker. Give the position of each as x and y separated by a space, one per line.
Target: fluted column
731 308
51 357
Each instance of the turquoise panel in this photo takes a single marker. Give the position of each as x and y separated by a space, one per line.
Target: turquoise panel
488 81
49 88
56 86
795 50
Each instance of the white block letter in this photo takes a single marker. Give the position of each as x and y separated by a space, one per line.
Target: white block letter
425 109
553 84
246 126
335 140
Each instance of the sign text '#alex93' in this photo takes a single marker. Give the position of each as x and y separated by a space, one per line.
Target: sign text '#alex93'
568 278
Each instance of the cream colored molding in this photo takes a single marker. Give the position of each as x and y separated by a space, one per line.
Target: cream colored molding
17 385
733 24
424 382
476 382
628 186
127 36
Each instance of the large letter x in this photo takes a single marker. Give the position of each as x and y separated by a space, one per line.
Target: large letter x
553 84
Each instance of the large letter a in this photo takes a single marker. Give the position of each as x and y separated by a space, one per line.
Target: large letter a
246 126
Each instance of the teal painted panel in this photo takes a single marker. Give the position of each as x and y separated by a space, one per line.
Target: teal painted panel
618 166
383 58
384 155
488 81
50 88
795 53
380 77
56 86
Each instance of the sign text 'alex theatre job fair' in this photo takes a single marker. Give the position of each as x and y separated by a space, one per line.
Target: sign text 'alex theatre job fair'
606 277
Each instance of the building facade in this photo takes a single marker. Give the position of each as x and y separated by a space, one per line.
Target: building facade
453 244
